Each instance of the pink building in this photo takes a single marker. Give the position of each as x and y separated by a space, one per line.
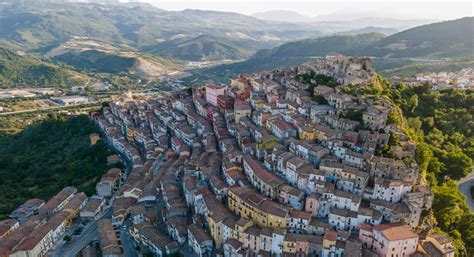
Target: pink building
311 204
212 91
394 239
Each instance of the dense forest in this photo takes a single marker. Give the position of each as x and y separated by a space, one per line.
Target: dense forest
47 156
442 124
17 70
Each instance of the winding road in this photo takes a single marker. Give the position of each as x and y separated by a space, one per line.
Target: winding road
464 187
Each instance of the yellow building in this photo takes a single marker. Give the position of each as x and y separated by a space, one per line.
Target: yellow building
259 104
237 232
216 229
262 211
307 133
217 213
241 109
289 245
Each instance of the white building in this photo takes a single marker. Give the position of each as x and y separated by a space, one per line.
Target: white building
390 190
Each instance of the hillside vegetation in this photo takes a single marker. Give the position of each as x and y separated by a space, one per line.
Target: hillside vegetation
443 39
17 70
96 61
47 156
442 123
39 27
449 39
205 48
298 52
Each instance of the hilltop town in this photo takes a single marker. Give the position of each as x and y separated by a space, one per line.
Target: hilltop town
271 164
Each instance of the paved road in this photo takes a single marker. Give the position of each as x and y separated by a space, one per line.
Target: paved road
128 245
89 233
58 108
465 186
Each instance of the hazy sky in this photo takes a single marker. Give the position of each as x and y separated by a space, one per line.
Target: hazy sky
390 9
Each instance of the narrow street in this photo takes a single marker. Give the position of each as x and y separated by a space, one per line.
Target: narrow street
88 234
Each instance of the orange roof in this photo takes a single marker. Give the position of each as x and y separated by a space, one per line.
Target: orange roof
300 214
396 231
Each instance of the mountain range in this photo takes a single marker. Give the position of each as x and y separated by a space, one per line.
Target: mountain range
140 39
443 40
355 18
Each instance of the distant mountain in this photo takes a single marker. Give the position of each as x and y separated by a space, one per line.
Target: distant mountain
294 53
205 48
366 30
399 24
449 39
39 27
443 39
17 70
317 47
282 15
97 56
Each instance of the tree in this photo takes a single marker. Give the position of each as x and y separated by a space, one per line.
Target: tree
413 102
67 239
458 165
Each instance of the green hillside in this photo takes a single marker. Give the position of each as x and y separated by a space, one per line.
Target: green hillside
96 61
17 70
444 39
39 27
298 52
347 44
449 39
204 48
47 156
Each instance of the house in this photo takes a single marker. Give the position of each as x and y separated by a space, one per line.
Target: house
307 133
233 248
154 240
375 117
218 187
26 210
199 240
213 91
390 190
8 226
264 212
299 221
393 169
241 109
311 204
225 103
74 206
137 213
438 245
57 202
342 219
281 129
109 182
109 242
404 212
394 239
120 209
291 196
93 208
265 181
